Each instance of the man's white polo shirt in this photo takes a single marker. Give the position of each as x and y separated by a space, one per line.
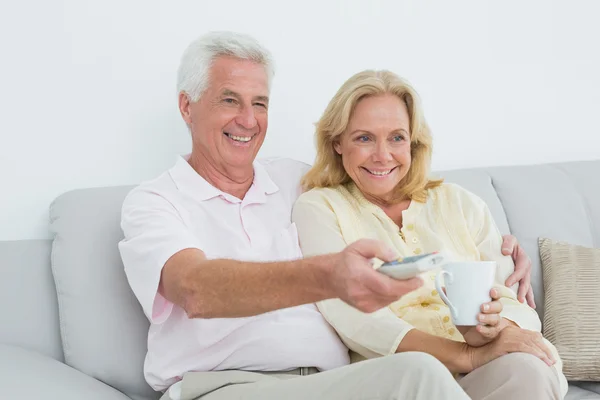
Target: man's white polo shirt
180 210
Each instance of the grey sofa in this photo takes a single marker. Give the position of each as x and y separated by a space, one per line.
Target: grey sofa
70 328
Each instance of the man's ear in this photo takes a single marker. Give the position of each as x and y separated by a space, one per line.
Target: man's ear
185 108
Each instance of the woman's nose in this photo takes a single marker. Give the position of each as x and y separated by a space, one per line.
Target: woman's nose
382 153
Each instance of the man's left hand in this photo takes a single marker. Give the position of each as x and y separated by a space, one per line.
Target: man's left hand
522 274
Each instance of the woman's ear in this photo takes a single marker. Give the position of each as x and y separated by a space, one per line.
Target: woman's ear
337 146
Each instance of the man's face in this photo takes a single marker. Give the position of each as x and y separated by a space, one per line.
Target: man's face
229 121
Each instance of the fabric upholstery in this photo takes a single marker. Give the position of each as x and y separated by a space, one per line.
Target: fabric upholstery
572 284
30 318
103 327
29 375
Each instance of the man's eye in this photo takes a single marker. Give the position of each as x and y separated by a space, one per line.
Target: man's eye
263 105
230 101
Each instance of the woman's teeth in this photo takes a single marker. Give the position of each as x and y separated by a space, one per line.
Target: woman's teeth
239 138
380 173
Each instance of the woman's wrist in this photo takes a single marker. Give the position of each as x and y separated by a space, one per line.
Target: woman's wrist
456 356
463 360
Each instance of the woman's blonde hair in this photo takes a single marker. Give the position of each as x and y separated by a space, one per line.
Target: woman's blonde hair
328 170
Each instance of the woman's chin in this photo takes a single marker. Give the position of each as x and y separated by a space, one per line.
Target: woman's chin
379 191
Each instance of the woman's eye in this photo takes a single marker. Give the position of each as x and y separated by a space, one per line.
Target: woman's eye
398 138
363 138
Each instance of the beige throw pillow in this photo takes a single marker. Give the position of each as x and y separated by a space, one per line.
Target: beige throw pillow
572 297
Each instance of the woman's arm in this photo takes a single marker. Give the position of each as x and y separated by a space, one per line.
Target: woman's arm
374 334
368 334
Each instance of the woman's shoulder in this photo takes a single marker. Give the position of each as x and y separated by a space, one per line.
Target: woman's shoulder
323 195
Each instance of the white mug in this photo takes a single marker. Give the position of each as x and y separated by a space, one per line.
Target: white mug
468 286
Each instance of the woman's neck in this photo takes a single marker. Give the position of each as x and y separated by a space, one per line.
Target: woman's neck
392 209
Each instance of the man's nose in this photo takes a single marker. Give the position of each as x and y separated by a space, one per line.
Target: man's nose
246 118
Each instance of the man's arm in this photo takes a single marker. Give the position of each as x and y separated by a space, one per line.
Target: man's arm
522 274
227 288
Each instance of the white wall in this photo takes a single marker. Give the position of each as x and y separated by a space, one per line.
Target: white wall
87 87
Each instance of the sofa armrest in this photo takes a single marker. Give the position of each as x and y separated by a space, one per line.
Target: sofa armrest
28 375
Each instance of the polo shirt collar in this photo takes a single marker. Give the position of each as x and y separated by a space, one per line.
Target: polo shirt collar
187 180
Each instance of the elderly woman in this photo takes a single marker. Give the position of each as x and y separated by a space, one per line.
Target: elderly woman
370 180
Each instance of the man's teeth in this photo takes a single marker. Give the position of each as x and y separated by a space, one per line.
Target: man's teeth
240 138
380 173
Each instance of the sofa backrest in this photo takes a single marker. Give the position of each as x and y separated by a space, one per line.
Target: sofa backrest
28 305
103 328
557 201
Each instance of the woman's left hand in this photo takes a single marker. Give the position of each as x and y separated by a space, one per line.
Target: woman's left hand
491 323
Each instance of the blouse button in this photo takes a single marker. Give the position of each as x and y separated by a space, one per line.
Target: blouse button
415 240
434 292
417 251
410 227
451 331
446 319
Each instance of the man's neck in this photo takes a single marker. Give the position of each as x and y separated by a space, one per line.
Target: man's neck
235 181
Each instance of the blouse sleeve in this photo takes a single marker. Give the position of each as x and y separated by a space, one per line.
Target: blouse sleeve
368 334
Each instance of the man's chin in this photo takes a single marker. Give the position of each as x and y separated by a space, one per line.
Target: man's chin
237 160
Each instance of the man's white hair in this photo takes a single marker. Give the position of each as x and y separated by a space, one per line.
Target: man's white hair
192 76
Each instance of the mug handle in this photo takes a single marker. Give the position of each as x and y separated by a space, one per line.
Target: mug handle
438 286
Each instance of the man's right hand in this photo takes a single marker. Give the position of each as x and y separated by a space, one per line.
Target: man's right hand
354 280
511 339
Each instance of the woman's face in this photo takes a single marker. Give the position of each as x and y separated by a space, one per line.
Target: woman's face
375 148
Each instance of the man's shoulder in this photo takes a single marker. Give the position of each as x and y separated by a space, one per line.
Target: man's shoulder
150 191
280 166
285 172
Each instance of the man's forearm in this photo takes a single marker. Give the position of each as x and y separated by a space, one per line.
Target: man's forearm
454 355
225 288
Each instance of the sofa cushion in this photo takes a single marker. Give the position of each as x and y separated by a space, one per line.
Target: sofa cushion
29 310
103 329
571 323
578 393
550 200
28 375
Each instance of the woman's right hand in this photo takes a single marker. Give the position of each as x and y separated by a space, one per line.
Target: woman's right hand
512 339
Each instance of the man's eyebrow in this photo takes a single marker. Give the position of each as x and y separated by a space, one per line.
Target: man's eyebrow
264 99
231 93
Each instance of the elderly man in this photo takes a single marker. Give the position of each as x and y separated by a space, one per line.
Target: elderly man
213 258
